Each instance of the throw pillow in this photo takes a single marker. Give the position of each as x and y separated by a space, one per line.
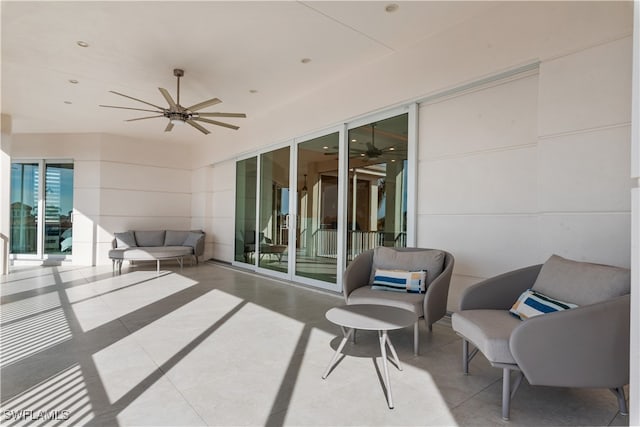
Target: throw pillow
125 239
400 281
192 239
532 303
408 259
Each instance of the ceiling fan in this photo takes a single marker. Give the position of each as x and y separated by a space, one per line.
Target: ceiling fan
177 114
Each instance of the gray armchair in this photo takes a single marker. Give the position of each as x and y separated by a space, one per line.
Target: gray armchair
431 305
587 346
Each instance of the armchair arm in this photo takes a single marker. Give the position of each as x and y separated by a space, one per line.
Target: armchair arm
357 273
586 346
499 292
435 301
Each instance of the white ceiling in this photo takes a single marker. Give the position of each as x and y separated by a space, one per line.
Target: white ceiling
225 48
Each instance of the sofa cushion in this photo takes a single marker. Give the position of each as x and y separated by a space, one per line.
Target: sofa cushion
582 283
532 303
126 239
366 295
151 253
175 238
150 238
192 239
430 260
400 281
489 330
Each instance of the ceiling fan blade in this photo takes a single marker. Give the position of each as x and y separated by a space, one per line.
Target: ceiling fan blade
241 115
204 104
197 126
144 118
128 108
214 122
170 101
136 99
169 127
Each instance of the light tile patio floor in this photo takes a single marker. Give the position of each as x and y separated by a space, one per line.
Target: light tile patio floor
210 345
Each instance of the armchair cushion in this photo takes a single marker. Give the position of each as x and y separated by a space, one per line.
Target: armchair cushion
532 303
408 301
387 258
582 283
400 281
489 330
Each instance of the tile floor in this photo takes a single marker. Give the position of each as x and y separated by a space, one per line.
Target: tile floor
210 345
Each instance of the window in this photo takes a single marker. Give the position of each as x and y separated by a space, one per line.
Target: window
41 211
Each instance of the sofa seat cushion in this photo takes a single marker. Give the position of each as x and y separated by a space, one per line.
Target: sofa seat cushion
154 253
489 330
581 283
408 301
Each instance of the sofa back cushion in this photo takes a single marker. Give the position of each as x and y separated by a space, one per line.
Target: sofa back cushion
408 259
581 283
175 238
150 238
126 239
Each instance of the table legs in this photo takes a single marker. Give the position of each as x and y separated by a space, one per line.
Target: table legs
337 353
384 340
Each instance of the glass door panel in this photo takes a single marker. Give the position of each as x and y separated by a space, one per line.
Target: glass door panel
377 189
273 230
317 198
25 182
245 224
58 208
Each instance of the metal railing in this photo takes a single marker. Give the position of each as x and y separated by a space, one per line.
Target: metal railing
326 241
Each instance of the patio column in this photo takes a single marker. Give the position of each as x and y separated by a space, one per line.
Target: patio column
5 192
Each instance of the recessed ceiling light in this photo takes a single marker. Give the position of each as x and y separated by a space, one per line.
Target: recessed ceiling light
391 8
325 148
393 160
305 60
253 90
82 44
73 81
362 154
68 102
354 140
391 148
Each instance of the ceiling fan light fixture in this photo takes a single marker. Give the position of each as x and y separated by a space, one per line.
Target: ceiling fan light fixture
176 121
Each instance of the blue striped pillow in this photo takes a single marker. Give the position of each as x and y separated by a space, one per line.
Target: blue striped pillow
400 281
532 303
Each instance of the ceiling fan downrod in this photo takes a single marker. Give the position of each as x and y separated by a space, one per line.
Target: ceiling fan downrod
178 73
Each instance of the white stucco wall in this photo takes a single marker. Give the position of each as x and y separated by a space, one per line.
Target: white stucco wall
498 195
119 184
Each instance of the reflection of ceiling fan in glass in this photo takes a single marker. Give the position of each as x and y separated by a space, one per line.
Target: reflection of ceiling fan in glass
177 114
374 152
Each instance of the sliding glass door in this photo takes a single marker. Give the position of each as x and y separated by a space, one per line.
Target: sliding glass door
317 202
305 210
41 211
377 188
273 227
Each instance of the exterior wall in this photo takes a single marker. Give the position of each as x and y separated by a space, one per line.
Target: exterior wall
547 172
119 184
